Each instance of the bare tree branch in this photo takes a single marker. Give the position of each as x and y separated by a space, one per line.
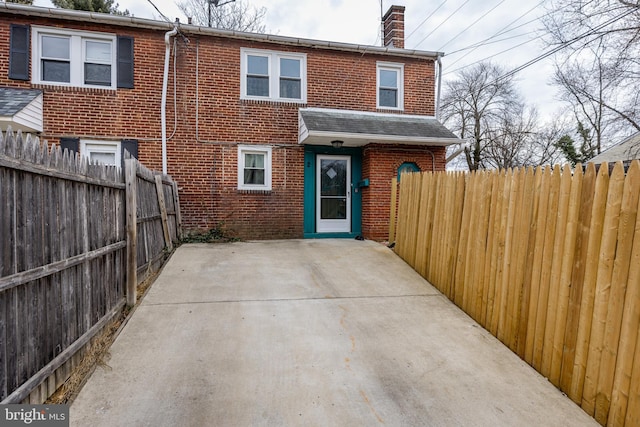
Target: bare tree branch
236 16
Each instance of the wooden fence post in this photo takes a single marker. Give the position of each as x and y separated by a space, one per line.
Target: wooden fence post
163 213
393 210
176 204
132 230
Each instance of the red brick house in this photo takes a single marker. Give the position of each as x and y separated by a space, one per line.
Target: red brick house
267 136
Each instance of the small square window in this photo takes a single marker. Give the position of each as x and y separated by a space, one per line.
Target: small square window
390 86
254 167
105 152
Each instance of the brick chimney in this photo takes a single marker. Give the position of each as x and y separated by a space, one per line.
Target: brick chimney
393 22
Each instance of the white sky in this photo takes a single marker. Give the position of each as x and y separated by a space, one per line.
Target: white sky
358 21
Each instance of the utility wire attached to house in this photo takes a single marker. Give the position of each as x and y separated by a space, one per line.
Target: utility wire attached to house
158 10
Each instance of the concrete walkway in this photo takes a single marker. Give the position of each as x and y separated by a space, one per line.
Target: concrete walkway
309 333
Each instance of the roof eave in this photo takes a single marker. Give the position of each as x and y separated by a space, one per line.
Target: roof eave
129 21
360 139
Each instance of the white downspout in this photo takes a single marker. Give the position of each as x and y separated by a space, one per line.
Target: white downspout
439 59
163 107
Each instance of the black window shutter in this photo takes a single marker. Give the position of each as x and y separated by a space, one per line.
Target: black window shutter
71 144
125 62
130 145
19 52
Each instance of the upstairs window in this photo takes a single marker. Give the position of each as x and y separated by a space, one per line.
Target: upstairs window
73 58
276 76
390 86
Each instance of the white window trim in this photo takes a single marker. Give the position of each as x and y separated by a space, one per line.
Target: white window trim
390 66
274 74
76 53
254 149
89 145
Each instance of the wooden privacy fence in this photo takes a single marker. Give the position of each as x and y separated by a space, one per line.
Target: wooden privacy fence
66 256
548 261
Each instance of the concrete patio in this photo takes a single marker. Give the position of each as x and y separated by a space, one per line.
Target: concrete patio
309 333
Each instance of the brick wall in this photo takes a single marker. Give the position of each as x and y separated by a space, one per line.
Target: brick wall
380 164
202 150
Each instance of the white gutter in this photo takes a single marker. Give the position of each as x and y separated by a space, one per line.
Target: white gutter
163 107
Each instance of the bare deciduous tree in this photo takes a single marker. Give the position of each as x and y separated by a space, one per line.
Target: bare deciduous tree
598 69
487 112
235 15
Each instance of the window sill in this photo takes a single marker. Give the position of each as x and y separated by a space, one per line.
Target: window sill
82 89
253 191
250 101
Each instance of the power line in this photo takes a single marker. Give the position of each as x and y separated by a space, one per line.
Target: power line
487 42
442 23
425 20
503 30
491 56
471 25
563 45
161 14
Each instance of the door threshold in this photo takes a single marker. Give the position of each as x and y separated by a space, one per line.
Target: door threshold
330 235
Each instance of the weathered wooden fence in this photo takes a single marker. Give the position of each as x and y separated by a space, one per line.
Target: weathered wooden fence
64 256
548 261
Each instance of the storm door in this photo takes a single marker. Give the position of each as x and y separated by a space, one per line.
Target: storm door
333 194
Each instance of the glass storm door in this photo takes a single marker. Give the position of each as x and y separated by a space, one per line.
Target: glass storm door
333 194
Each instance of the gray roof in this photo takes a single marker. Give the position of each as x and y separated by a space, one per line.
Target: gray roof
12 100
628 149
396 127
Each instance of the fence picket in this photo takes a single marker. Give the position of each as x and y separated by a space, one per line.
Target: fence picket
626 393
603 288
577 274
589 289
621 264
554 304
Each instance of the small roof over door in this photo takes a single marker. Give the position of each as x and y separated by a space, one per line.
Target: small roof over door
319 126
21 109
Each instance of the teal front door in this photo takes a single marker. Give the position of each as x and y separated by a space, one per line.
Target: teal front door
333 194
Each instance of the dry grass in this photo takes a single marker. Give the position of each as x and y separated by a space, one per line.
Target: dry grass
97 352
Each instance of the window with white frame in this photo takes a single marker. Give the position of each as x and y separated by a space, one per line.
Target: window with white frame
73 58
277 76
254 167
105 152
390 85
